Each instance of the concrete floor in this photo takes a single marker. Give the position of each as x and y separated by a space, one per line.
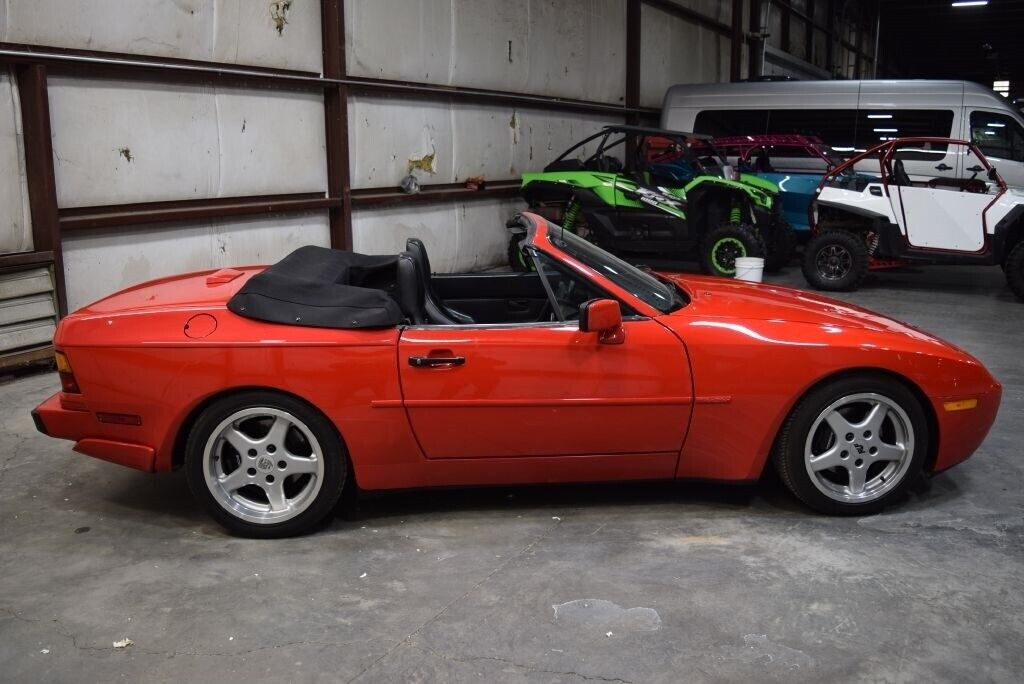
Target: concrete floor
638 583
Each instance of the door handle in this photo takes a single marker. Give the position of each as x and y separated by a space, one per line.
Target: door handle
876 191
944 167
976 169
436 361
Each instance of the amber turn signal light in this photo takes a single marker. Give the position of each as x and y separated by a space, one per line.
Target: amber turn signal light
961 405
67 377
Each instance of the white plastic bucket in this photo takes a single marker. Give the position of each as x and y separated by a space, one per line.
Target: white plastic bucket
749 269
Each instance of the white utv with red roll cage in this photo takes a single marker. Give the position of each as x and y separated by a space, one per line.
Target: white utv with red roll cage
889 219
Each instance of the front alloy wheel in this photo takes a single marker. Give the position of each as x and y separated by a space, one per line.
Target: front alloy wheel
853 445
858 447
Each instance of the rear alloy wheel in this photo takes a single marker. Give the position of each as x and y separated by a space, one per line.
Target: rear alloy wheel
1014 267
836 260
852 446
265 465
723 245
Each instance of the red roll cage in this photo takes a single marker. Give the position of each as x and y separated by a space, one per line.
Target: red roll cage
885 151
746 144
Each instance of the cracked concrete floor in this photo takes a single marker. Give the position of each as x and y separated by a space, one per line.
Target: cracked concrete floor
638 583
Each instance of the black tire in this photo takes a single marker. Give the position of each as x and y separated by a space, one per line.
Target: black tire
825 491
314 491
836 261
723 245
516 258
1014 268
782 246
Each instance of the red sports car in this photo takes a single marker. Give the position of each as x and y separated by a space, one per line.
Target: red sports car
274 387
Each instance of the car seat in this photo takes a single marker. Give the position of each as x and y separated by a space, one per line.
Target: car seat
408 290
762 164
899 174
437 312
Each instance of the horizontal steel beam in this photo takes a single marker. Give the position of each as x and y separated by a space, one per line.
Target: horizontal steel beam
441 192
122 215
21 259
691 15
115 64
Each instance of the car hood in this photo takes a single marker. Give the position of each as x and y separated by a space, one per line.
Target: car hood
204 289
735 299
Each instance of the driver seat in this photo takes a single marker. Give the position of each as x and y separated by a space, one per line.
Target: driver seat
899 174
436 311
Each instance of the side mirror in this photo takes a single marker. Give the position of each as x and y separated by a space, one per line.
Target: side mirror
603 317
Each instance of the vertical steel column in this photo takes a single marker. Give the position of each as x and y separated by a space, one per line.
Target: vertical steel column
336 119
830 41
809 32
736 46
754 53
633 38
42 185
787 20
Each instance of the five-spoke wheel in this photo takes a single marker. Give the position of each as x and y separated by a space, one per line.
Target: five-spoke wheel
266 465
852 445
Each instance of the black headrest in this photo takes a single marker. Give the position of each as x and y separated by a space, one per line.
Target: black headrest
418 250
409 289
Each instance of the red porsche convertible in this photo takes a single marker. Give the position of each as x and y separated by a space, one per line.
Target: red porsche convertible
274 387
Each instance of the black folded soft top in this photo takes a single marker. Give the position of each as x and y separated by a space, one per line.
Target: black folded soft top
323 288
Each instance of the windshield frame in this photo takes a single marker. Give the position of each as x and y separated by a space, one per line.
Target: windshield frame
642 291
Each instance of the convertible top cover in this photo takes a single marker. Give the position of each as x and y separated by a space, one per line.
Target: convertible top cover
323 288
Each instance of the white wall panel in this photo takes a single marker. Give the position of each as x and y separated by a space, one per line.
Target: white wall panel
464 237
236 31
117 142
570 48
97 263
677 51
15 219
466 140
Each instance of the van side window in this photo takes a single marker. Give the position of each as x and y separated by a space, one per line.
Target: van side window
998 136
726 122
835 127
874 127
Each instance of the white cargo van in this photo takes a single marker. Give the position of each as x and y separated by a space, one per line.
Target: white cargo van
851 116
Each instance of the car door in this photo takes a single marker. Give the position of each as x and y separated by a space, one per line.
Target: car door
508 391
944 213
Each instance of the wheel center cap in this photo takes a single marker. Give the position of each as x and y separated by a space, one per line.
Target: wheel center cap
264 464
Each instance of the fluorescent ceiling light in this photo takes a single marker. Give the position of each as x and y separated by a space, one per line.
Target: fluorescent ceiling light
843 149
879 116
1000 85
970 3
887 130
996 125
990 132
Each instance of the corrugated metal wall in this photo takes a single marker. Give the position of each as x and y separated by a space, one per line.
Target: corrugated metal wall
122 138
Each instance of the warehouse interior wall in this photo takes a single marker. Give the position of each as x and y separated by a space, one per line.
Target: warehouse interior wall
129 138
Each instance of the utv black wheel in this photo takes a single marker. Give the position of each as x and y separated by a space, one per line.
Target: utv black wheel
265 465
854 445
781 247
517 258
1014 267
836 260
723 245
